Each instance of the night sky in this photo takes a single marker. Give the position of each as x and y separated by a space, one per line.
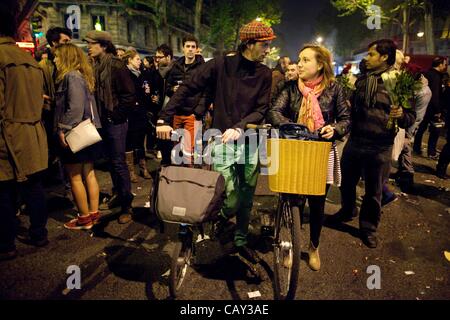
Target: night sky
297 25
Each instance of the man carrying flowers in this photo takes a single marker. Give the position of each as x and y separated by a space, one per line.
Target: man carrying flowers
369 147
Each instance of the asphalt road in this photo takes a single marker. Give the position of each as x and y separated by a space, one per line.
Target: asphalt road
132 261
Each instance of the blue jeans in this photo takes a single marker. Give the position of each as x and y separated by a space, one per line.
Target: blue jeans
114 137
33 194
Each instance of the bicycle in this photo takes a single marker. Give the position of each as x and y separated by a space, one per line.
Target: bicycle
293 181
188 235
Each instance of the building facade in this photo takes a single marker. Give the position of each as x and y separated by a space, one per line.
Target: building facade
144 25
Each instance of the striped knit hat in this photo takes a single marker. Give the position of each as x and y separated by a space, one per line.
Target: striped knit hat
256 30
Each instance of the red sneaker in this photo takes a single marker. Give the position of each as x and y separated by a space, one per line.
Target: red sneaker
79 223
95 217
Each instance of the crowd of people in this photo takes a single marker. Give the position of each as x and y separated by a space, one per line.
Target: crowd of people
136 104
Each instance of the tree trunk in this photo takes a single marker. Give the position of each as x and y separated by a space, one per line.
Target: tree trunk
406 17
429 38
198 17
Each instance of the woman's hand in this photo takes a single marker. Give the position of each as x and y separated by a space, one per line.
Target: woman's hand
62 139
327 132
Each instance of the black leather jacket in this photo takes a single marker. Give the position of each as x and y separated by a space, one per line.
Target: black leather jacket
335 108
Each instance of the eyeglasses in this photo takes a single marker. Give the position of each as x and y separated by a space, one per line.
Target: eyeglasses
159 57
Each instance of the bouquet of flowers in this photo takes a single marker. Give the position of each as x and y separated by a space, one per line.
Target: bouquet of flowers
401 85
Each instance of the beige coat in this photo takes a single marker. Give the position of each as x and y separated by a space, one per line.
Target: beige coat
23 142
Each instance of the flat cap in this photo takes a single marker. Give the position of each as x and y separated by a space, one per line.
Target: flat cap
256 30
95 35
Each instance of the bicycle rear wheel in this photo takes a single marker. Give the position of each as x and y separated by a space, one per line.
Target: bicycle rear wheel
181 259
286 250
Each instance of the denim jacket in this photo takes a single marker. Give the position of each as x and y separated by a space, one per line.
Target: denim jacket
73 103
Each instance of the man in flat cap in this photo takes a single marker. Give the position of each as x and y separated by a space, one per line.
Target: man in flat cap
115 95
240 87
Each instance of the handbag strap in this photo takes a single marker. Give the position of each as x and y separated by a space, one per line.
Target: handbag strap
86 110
92 111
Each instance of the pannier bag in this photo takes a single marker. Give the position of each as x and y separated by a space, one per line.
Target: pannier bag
188 195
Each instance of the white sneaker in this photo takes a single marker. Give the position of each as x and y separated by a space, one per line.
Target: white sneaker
158 155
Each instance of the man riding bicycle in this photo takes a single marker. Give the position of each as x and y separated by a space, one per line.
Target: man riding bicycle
239 87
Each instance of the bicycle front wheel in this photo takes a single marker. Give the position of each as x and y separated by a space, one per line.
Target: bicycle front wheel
181 259
286 250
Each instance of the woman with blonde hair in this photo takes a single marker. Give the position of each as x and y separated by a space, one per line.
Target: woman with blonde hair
318 102
75 102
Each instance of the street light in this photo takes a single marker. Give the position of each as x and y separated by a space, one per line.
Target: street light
420 34
319 39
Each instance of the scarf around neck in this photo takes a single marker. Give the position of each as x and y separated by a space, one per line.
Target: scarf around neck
134 71
103 81
372 85
310 113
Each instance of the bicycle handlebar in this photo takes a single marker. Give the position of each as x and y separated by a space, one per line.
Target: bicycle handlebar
266 126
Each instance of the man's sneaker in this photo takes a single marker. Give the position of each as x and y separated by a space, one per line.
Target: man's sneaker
369 239
391 197
113 202
25 238
79 223
125 216
343 216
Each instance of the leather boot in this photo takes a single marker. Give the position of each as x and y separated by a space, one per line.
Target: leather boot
314 259
143 169
130 164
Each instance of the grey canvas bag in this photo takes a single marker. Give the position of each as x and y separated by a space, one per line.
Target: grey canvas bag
188 195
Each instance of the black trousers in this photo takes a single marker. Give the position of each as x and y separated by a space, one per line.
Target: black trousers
114 137
135 142
432 139
316 216
32 193
375 163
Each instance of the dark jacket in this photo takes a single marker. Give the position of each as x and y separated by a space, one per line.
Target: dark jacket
369 124
156 88
123 93
182 72
239 89
73 103
23 141
334 107
137 117
434 78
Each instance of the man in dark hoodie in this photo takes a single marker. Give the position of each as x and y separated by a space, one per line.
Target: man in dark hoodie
240 89
369 147
182 71
115 96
